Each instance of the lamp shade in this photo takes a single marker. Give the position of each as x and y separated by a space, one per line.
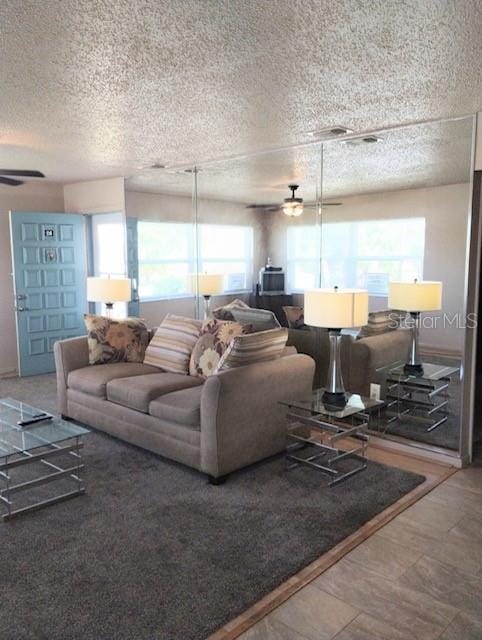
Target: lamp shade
336 308
207 284
419 295
108 289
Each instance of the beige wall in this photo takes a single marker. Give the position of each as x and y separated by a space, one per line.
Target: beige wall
31 196
95 196
171 208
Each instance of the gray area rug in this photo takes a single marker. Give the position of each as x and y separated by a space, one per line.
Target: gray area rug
153 552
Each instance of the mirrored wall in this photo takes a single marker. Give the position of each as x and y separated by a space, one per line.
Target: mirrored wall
351 212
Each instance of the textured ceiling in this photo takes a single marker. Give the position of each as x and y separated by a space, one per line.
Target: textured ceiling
97 88
422 155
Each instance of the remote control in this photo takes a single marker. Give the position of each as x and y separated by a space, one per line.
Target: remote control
33 419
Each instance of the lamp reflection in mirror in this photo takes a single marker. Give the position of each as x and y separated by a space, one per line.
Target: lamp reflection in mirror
207 285
108 290
415 297
335 309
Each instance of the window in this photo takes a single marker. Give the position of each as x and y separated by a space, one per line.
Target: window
303 253
229 250
108 242
167 257
363 254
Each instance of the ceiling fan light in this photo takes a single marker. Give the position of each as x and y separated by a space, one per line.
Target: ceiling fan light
292 207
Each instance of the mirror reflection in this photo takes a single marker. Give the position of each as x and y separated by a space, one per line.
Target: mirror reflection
364 213
403 216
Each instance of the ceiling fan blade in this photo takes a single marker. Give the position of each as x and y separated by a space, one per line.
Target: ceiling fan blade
265 207
10 181
24 173
323 204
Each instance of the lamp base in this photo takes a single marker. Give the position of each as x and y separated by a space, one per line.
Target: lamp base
334 399
413 369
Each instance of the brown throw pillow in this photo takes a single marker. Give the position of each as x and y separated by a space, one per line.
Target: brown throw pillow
216 336
112 340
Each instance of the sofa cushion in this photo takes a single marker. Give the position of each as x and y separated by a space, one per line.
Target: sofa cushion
171 346
137 392
183 407
93 379
113 340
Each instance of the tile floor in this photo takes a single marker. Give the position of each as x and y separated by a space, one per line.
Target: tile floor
417 578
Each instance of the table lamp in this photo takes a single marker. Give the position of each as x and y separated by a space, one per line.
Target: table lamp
108 291
335 309
207 285
415 297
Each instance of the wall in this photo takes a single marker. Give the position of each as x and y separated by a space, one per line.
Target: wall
171 208
95 196
32 196
445 210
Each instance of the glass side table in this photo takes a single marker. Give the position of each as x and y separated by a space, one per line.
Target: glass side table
315 431
423 397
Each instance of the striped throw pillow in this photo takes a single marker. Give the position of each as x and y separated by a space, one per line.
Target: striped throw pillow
171 346
254 347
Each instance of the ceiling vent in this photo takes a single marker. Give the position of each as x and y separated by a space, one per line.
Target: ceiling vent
329 133
368 139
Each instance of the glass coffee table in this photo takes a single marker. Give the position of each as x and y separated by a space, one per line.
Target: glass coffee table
31 444
315 431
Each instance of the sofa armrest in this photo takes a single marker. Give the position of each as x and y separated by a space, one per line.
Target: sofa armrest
367 355
69 354
241 418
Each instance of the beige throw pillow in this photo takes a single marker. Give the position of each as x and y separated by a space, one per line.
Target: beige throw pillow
254 347
171 346
113 340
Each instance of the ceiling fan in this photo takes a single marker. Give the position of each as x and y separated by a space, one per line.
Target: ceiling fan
292 206
20 173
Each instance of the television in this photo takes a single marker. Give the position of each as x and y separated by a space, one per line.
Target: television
271 281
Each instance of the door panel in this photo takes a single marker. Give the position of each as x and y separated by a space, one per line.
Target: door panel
132 266
49 266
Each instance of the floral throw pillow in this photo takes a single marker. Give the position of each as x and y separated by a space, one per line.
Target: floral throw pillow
216 336
112 340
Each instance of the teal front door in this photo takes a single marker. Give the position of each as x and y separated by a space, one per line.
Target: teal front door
49 272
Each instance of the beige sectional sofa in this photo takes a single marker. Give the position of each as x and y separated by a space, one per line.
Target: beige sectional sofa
231 420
